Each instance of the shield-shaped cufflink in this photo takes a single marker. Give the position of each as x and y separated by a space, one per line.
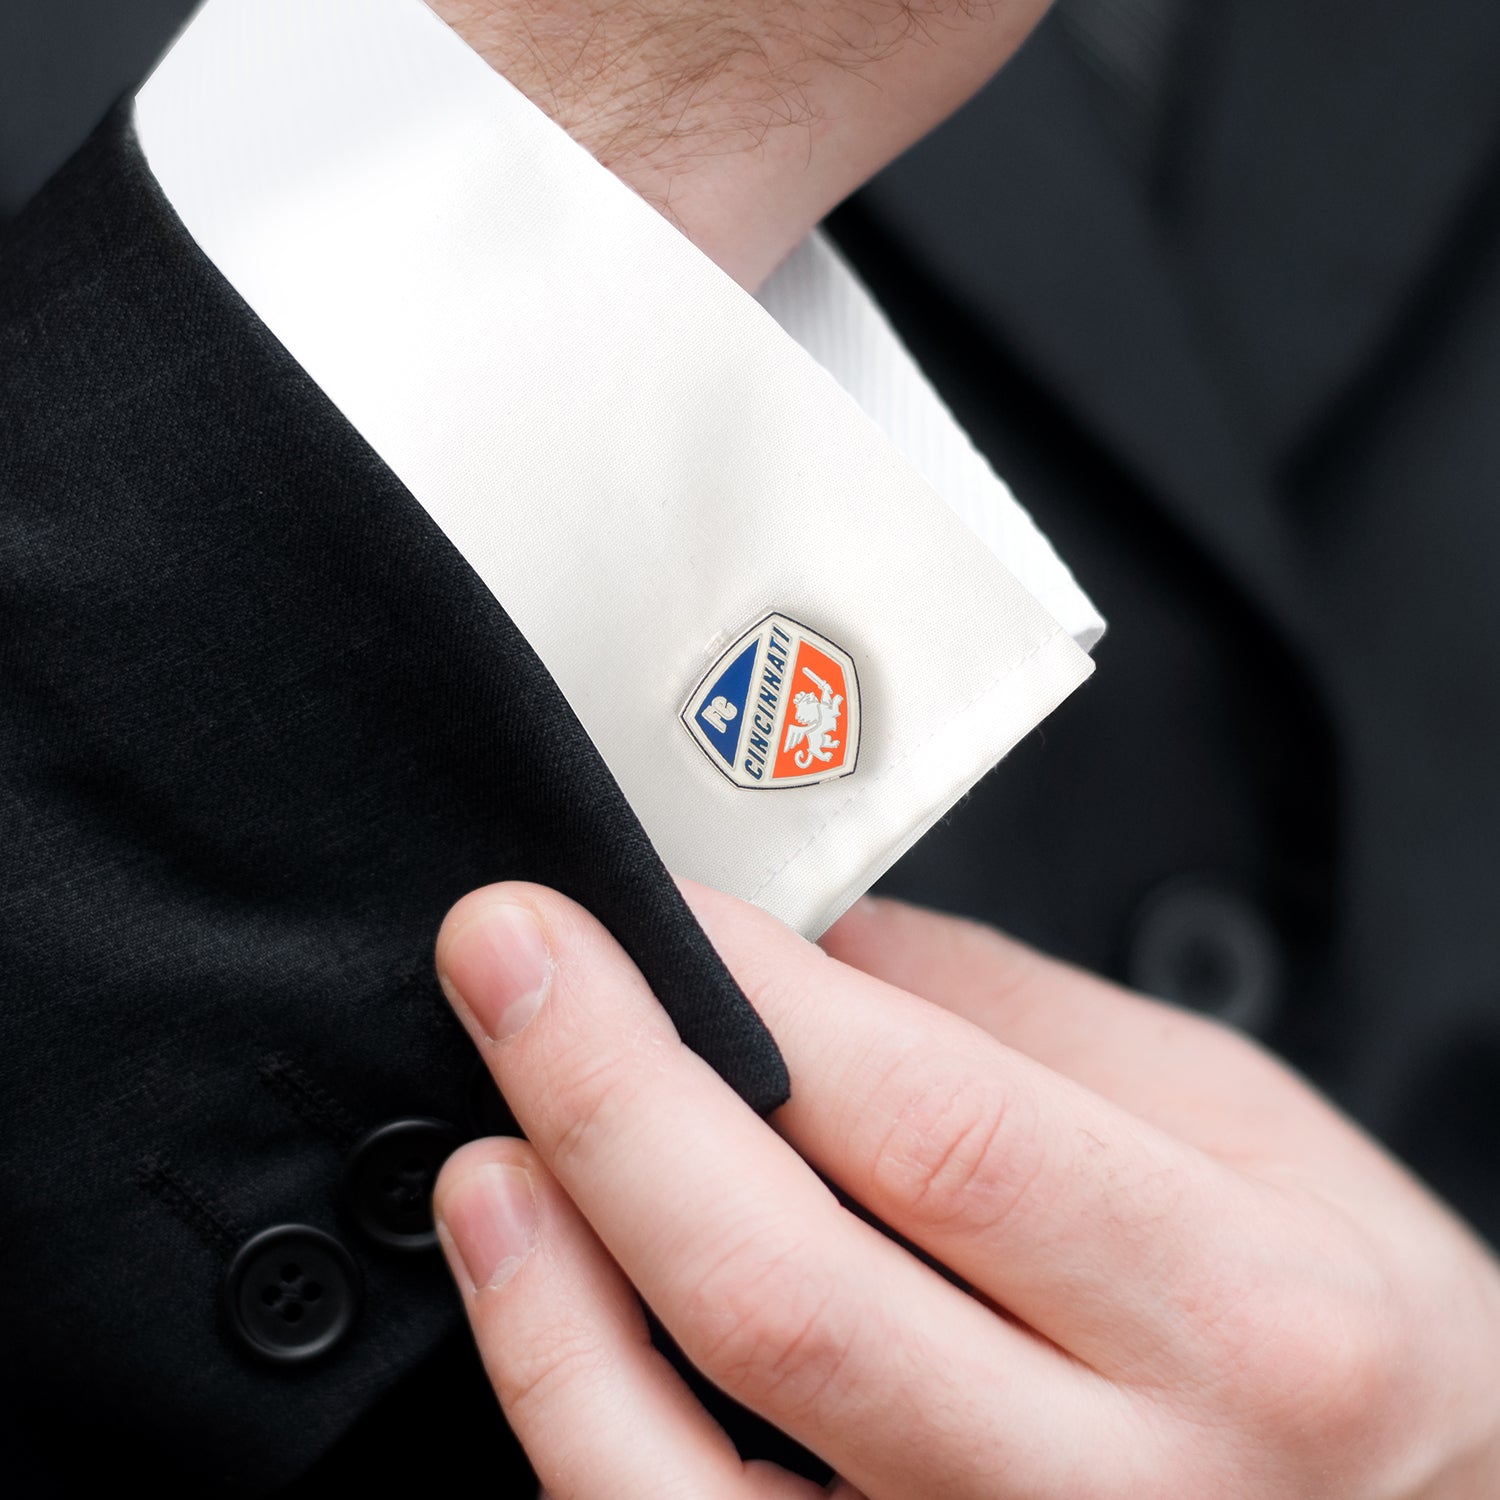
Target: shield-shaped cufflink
779 708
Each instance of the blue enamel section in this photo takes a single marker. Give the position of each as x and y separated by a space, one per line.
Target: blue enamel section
728 692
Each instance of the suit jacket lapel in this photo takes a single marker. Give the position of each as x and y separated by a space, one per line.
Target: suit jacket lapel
1023 215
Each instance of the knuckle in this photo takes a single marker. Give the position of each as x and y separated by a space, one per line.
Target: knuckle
764 1322
1340 1374
960 1157
780 971
1316 1368
586 1092
537 1374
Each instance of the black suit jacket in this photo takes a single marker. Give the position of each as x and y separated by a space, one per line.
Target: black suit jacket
261 725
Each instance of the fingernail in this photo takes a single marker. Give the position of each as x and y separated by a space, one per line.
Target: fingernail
498 967
489 1216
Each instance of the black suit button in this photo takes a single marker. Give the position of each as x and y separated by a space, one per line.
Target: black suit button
388 1181
291 1292
485 1109
1207 947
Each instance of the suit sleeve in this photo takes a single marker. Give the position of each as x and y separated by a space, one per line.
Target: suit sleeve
260 725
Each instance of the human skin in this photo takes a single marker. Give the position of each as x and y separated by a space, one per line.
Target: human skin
744 121
1188 1275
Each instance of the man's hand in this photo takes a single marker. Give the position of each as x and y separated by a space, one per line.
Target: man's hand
744 121
1190 1277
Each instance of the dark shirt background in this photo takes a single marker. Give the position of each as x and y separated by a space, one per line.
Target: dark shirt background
62 64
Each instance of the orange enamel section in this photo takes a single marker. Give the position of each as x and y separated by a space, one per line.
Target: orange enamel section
824 666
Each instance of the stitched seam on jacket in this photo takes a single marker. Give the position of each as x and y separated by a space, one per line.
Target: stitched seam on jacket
201 1211
314 1105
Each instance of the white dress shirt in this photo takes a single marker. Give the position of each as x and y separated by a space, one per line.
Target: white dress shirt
640 460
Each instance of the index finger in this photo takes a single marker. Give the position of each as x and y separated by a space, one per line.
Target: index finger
780 1296
1189 1075
1114 1239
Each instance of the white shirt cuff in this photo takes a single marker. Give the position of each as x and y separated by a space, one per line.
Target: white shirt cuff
639 463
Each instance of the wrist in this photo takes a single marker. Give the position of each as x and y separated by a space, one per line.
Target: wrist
713 122
743 125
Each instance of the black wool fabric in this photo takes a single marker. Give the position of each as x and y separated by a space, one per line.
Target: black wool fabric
260 726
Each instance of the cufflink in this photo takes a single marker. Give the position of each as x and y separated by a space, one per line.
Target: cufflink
779 708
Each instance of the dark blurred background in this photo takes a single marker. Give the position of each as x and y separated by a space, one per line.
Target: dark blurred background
62 64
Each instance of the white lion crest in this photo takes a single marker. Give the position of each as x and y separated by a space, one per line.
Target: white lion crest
817 718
